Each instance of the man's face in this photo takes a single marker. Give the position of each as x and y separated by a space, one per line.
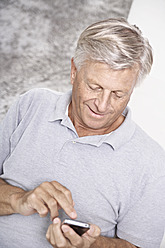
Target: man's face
100 95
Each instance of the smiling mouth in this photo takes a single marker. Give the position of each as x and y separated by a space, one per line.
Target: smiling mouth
96 114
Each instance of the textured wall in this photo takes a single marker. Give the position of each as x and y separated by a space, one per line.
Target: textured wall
38 38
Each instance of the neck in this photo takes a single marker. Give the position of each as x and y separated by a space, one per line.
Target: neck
83 130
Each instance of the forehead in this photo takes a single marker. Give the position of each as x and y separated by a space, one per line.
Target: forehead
103 75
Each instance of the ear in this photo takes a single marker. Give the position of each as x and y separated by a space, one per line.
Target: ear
73 72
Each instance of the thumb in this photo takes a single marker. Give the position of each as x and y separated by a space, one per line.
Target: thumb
94 231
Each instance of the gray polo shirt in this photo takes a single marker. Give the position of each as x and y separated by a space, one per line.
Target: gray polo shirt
117 180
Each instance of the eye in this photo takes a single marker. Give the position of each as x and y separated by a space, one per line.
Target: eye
117 94
94 87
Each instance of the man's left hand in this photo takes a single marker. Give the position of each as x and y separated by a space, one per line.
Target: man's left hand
64 236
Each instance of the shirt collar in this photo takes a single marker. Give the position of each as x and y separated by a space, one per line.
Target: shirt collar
115 139
61 106
123 133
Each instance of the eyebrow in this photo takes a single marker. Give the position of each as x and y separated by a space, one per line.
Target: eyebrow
91 81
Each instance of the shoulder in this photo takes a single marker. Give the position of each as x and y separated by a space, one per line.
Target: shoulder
40 94
145 142
39 98
149 153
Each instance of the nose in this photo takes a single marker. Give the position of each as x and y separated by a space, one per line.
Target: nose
102 102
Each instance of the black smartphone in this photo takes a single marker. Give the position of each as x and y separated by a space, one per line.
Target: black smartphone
79 227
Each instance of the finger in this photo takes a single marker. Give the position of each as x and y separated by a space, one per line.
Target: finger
58 237
37 205
64 190
50 236
56 191
93 232
64 199
42 210
47 190
56 200
40 201
72 236
51 204
64 204
91 235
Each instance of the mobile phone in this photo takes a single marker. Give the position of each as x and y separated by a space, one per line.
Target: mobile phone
79 227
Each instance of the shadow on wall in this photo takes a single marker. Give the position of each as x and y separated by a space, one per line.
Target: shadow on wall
38 39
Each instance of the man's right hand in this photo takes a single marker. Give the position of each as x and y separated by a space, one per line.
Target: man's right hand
48 196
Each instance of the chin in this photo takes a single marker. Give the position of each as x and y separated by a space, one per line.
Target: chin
95 126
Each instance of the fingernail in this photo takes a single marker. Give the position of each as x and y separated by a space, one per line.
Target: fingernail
56 220
73 215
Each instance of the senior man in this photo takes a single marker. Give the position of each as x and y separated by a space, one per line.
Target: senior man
79 154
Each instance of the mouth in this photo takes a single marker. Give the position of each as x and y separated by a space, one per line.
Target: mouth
96 115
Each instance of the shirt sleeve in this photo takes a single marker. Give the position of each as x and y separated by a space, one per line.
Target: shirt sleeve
144 223
7 128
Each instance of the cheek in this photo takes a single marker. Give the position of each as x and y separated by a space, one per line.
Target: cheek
118 106
122 105
81 98
126 101
89 102
86 96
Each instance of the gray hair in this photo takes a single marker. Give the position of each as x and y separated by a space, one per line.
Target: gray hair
116 43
